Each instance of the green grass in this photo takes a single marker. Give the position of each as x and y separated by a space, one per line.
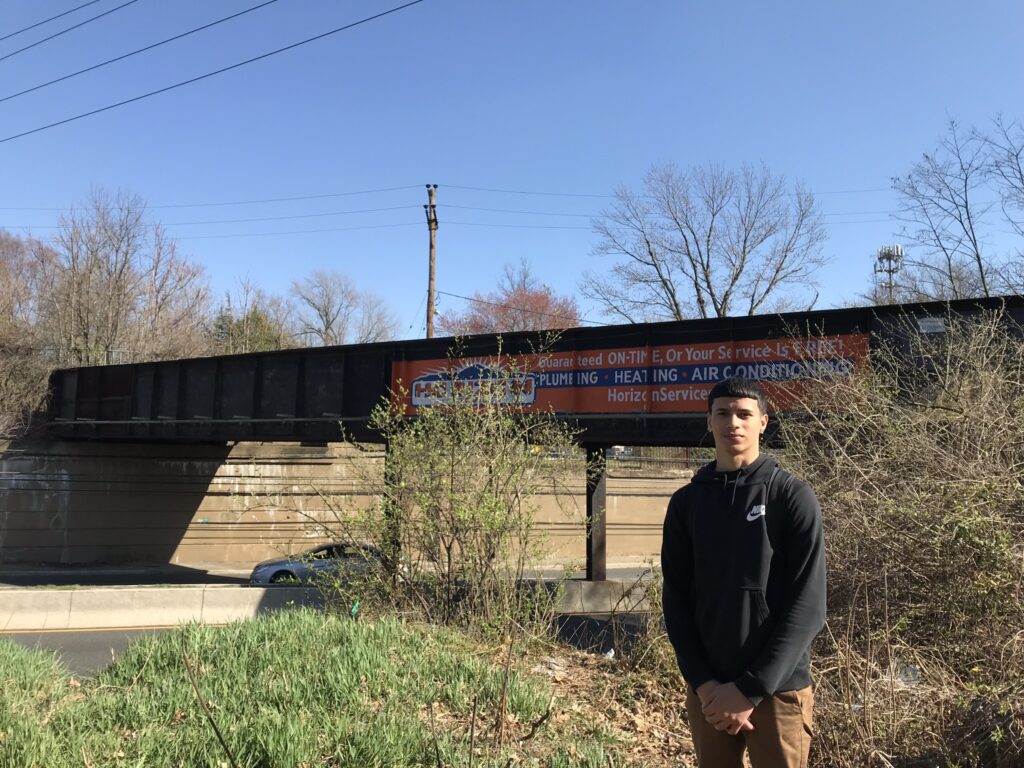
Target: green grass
293 689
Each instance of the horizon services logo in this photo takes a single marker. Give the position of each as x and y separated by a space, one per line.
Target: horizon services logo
506 387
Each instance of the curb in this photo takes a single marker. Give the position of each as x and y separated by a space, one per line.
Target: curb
38 610
28 610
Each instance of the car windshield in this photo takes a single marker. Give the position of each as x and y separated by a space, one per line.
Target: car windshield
334 551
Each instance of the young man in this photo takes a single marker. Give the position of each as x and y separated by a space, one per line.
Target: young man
744 566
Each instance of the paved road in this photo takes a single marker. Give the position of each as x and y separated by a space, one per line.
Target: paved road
103 577
84 653
110 576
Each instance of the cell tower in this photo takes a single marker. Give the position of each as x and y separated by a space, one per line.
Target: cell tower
888 262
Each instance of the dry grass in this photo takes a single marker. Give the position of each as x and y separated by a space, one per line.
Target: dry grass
917 460
642 713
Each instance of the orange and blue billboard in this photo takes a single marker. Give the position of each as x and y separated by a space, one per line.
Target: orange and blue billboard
669 378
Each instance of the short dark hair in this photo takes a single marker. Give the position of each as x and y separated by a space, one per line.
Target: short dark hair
738 387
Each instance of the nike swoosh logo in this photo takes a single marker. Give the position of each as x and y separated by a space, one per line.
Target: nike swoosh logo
754 513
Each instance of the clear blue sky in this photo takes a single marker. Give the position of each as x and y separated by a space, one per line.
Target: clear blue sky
538 96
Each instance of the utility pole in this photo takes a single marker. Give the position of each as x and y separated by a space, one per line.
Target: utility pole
431 210
889 262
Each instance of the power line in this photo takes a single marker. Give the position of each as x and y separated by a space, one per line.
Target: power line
854 213
211 74
612 197
525 192
510 226
341 213
377 191
249 202
861 221
287 199
352 193
597 215
47 21
133 53
527 213
517 308
249 220
68 29
299 231
416 314
287 218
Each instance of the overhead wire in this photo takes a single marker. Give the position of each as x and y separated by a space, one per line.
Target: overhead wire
612 197
124 56
597 215
29 227
300 231
379 190
68 29
511 226
288 218
47 21
477 300
524 192
220 71
248 202
525 213
419 308
291 199
376 210
252 219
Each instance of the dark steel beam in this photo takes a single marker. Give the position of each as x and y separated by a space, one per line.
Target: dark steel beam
597 509
289 387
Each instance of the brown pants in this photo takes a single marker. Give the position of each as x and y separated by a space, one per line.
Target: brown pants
781 737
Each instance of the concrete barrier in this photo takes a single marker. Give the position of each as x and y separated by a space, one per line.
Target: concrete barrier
28 609
611 596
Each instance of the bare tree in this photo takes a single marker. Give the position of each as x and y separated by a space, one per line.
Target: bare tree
708 242
327 303
521 303
376 320
1006 165
332 310
173 301
947 209
24 360
18 281
117 290
249 320
943 211
110 288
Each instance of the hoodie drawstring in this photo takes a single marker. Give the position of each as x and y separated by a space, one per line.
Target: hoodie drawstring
725 485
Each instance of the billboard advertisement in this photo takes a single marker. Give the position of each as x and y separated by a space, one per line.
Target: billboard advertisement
670 379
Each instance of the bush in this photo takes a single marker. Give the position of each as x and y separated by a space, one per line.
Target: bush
916 459
457 512
23 387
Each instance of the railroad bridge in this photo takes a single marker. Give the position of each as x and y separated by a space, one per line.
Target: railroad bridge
624 385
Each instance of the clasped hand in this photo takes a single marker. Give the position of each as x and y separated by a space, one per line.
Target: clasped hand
725 707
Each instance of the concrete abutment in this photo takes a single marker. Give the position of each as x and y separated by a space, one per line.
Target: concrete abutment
77 502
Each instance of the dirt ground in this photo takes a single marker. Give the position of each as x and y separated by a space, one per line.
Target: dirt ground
644 715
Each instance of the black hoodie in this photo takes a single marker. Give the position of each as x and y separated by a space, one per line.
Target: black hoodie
743 559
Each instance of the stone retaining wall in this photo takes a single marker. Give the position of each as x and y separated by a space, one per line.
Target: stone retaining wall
82 502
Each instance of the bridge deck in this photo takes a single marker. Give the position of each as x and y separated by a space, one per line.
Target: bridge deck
311 394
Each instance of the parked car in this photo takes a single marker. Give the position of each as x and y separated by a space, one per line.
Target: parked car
329 561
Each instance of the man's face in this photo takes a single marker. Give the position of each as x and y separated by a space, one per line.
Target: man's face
736 424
